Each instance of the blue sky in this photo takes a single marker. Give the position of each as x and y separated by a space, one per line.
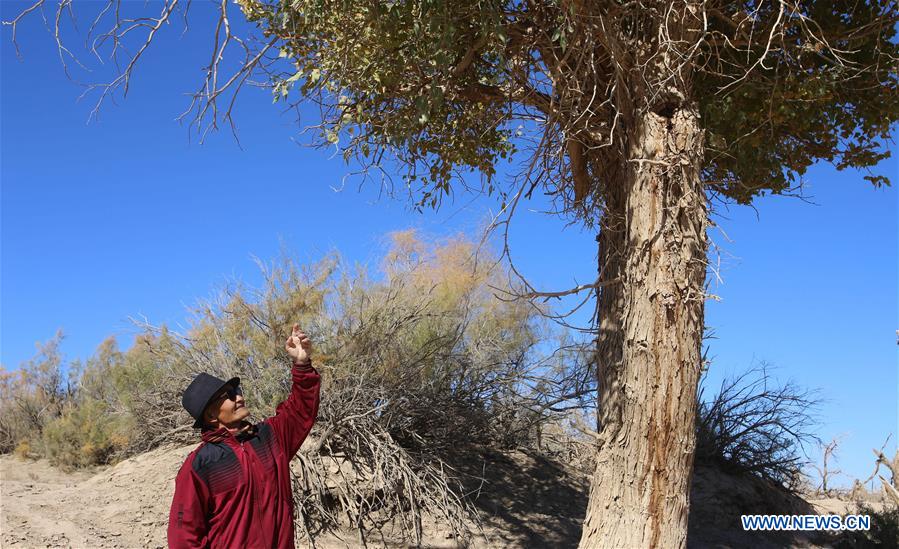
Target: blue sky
128 216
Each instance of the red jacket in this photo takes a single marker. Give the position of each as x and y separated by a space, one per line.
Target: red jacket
235 491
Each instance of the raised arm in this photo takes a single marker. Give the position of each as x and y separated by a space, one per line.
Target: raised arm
295 416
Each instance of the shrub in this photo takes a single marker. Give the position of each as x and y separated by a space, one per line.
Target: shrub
884 530
13 424
84 435
416 362
23 449
753 425
34 395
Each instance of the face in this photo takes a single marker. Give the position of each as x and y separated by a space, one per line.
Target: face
227 408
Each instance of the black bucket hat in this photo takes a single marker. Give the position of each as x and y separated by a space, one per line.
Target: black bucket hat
200 391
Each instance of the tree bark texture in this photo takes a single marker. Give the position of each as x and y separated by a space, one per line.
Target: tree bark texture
653 238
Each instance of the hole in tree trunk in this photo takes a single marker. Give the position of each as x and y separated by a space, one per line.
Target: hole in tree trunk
666 110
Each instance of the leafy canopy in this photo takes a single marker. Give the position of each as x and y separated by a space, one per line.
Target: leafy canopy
445 86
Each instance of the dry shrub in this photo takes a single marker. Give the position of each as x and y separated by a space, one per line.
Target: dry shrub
753 425
13 419
73 414
884 531
33 396
416 364
85 434
23 449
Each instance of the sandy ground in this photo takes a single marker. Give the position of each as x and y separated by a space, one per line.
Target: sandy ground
530 502
127 506
122 506
835 506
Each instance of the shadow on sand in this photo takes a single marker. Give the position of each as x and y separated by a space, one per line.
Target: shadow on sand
529 500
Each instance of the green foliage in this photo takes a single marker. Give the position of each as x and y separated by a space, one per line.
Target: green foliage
70 413
85 434
97 381
34 395
65 412
446 88
389 72
437 84
766 126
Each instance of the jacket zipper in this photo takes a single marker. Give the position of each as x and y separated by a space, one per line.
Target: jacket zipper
254 494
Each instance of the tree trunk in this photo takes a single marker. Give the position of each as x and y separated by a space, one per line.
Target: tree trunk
650 335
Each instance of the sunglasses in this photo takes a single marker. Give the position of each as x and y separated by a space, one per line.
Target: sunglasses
229 392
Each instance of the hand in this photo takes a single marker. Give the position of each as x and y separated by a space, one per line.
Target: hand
298 346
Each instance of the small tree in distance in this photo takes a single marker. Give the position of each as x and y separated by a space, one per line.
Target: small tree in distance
632 116
827 470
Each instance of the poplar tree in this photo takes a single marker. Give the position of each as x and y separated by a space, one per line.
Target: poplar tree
635 116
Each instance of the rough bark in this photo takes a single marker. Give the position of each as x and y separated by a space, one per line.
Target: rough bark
649 343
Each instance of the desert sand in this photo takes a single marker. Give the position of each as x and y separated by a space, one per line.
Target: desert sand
528 501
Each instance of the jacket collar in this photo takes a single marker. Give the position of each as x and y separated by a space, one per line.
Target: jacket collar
246 432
